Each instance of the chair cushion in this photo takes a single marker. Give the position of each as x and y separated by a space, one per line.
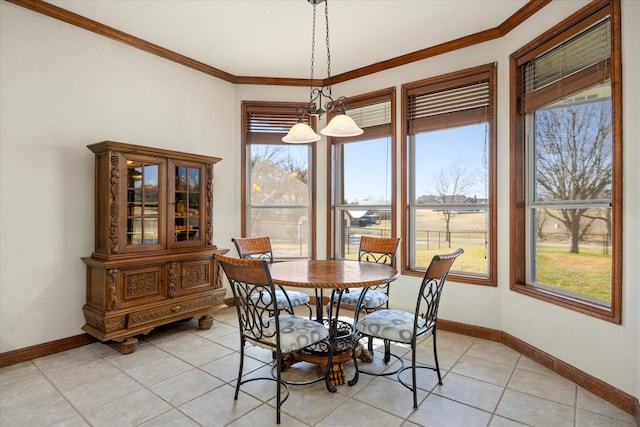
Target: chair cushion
296 298
372 299
394 325
296 332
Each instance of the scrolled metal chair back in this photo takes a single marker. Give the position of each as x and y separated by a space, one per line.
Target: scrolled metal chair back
431 290
254 248
253 295
381 250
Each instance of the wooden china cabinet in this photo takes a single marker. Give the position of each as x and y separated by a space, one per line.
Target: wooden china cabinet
154 258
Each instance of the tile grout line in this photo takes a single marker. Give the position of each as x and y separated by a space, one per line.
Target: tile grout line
504 390
348 398
230 383
75 408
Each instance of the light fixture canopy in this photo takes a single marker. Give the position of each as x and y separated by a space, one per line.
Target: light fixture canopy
341 125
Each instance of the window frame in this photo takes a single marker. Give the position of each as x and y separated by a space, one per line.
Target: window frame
445 82
388 94
571 26
286 109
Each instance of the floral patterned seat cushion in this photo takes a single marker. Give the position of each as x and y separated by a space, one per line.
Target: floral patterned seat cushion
372 299
296 332
296 298
394 325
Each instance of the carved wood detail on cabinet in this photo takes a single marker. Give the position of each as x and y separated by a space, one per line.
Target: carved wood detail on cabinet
114 207
173 279
112 276
194 275
141 284
209 238
153 261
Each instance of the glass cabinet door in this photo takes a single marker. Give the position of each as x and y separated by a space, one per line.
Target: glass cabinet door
188 194
143 208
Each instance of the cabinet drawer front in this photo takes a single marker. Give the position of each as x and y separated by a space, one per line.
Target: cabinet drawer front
177 310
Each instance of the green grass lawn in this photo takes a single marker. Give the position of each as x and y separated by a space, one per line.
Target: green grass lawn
473 260
587 273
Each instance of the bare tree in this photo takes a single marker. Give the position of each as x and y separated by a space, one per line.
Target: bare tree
263 153
278 181
450 186
296 169
573 161
278 156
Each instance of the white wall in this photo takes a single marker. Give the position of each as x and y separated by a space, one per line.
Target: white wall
63 88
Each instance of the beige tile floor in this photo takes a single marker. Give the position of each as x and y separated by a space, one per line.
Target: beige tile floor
184 376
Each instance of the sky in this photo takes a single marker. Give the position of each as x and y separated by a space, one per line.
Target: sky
460 148
368 176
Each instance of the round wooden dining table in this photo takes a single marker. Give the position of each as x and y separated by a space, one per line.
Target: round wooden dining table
331 273
334 275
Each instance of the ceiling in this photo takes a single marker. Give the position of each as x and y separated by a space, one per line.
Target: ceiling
272 38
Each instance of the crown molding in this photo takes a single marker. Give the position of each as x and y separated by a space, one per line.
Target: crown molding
64 15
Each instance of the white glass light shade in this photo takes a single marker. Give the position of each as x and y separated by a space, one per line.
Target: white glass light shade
341 126
301 133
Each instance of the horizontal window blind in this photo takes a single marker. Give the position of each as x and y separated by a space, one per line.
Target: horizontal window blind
448 108
371 115
374 119
268 124
578 63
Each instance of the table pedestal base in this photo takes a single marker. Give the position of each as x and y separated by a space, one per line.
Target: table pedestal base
336 374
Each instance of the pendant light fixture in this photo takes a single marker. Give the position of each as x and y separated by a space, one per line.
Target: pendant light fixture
341 125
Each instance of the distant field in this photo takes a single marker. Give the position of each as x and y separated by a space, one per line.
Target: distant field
587 273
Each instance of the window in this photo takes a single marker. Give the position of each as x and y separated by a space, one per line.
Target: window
450 179
277 180
363 175
566 168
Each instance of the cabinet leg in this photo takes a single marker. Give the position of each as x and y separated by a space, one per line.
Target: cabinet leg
129 345
205 322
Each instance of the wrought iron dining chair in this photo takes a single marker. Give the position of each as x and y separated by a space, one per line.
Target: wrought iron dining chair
260 322
260 248
405 327
381 250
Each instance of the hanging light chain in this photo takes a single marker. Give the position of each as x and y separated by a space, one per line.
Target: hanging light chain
313 52
326 20
301 132
316 94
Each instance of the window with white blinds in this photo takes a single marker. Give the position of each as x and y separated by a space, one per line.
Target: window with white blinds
277 180
566 164
362 175
449 181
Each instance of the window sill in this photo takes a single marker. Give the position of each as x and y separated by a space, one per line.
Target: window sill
581 306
